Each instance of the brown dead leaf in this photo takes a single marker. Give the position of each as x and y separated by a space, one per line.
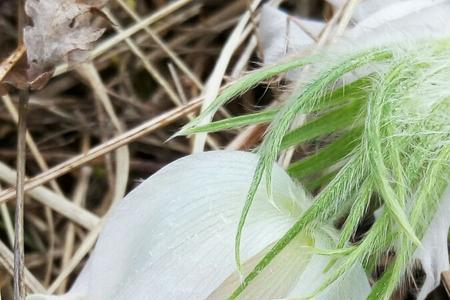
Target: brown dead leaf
62 31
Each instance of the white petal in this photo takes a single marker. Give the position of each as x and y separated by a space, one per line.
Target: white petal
403 20
365 8
297 272
434 251
277 279
173 236
281 34
385 11
71 296
353 285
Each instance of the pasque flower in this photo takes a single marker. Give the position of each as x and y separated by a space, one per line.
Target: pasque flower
173 238
393 24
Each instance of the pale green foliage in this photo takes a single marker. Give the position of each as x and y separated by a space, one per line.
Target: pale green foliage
246 83
392 142
259 117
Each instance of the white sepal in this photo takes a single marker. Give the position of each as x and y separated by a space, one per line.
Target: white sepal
173 236
353 285
282 35
433 254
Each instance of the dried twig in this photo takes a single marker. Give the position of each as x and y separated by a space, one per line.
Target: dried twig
19 255
44 167
19 287
9 227
7 65
7 261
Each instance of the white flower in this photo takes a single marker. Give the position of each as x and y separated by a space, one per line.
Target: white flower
375 22
173 238
433 256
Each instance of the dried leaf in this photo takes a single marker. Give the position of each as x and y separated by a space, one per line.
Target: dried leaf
62 31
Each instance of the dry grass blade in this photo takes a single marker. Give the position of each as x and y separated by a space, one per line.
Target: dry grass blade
78 199
244 58
53 200
215 80
178 85
117 142
178 62
19 255
7 261
446 282
113 41
147 64
44 167
9 227
7 65
81 252
247 138
155 73
122 154
19 244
